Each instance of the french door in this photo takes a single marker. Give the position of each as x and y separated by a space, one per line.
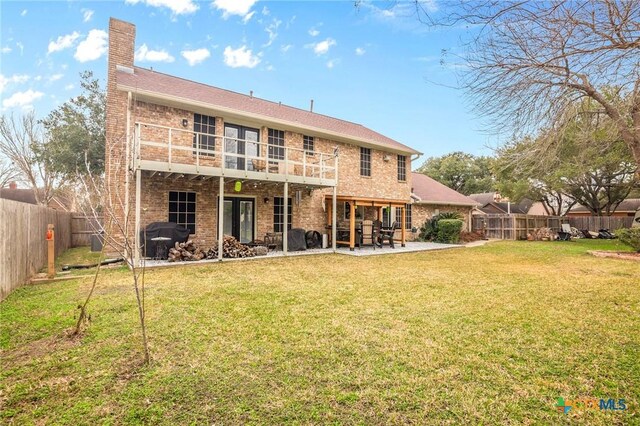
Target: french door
242 141
239 218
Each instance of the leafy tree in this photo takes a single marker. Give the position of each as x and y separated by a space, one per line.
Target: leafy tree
583 162
462 172
77 131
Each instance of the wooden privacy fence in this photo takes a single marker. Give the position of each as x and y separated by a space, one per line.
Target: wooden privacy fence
82 227
595 223
513 226
23 248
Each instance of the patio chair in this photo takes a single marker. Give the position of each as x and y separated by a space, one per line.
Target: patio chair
565 233
589 234
387 234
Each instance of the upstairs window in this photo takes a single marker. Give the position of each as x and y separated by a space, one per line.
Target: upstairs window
276 144
182 209
204 130
308 143
402 168
365 162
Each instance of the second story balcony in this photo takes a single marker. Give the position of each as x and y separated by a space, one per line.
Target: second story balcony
174 150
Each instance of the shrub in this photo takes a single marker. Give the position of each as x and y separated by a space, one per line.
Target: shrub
429 230
630 237
449 231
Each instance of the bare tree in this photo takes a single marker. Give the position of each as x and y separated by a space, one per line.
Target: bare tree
8 173
105 203
527 62
20 142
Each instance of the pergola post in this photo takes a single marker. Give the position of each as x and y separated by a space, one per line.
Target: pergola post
352 225
285 230
220 218
136 254
403 221
334 221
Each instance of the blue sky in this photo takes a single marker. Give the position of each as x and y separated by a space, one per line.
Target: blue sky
375 65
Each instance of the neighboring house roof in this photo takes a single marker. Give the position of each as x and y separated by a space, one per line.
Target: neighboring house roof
503 208
538 209
630 205
485 197
175 89
429 191
18 194
28 196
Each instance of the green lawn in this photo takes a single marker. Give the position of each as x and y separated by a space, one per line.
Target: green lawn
484 335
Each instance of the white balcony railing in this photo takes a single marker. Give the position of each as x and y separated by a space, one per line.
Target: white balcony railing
163 148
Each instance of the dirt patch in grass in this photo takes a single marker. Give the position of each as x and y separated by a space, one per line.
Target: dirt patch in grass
625 255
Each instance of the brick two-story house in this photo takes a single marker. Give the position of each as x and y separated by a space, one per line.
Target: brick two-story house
188 142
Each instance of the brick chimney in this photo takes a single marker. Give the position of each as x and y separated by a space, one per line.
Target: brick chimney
121 52
13 185
122 36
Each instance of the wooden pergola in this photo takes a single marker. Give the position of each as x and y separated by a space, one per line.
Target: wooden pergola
378 203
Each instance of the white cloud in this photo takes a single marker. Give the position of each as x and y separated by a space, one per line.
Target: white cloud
178 7
194 57
285 48
63 42
360 51
143 54
15 78
69 87
265 11
87 14
233 7
248 17
56 77
272 30
332 63
24 12
6 49
22 99
313 32
93 47
21 47
322 47
240 57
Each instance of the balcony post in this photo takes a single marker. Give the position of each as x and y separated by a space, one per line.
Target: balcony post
403 223
136 248
334 217
220 218
285 230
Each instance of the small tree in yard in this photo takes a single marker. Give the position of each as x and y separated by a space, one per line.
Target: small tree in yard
630 237
118 237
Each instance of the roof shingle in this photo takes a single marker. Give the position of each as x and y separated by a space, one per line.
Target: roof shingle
431 191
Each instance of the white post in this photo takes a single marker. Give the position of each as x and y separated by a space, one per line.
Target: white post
137 225
285 231
334 216
220 218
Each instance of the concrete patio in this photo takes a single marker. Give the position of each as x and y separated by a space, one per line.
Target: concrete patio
410 247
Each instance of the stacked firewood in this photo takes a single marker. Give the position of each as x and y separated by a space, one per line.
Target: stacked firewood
542 234
231 248
188 251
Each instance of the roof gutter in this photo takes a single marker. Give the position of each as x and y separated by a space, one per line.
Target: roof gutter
259 117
